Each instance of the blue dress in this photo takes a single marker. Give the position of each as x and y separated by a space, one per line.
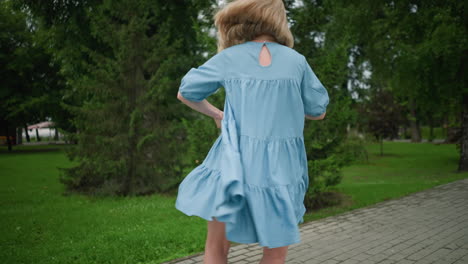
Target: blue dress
255 176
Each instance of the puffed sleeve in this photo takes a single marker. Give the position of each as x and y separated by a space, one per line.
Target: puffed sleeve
314 95
201 82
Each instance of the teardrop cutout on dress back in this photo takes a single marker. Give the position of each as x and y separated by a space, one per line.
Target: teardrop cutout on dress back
264 58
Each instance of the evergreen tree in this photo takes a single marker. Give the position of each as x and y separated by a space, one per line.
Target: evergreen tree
327 143
128 126
123 61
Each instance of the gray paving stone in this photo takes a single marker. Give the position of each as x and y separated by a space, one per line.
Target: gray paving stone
387 261
427 227
236 252
405 261
377 258
350 261
366 262
198 258
239 262
238 258
361 257
330 261
187 261
454 255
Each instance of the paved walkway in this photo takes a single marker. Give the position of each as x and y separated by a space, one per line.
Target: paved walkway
430 226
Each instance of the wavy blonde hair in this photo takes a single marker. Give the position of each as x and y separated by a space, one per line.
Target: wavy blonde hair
243 20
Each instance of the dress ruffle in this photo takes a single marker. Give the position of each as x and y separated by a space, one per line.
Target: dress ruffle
222 192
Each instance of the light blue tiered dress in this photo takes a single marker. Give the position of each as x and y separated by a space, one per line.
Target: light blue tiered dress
254 178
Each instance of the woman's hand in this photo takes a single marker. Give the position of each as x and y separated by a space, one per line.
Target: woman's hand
218 119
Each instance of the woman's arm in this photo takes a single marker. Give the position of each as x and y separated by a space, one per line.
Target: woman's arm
203 107
320 117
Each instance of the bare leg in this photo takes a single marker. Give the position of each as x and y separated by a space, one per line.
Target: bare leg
274 255
216 246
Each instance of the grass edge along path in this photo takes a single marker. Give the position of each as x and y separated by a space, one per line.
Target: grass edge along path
404 168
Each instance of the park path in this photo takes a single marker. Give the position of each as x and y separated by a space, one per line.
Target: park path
429 226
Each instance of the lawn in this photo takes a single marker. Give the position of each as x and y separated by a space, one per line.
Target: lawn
403 169
41 225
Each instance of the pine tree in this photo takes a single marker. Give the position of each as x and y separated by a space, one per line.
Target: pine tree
128 129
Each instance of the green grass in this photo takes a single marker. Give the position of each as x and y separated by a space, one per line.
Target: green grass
439 132
41 225
403 169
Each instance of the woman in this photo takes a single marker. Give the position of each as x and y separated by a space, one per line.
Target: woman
252 183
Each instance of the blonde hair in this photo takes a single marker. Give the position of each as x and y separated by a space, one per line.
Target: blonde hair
243 20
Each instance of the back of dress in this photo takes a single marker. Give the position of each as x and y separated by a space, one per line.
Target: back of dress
255 176
269 101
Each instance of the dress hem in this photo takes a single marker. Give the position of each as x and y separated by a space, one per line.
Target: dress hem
236 240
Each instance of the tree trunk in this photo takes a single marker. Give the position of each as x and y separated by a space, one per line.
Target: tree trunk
28 139
431 129
463 162
56 135
19 135
445 128
7 133
381 145
37 135
134 89
414 125
431 134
